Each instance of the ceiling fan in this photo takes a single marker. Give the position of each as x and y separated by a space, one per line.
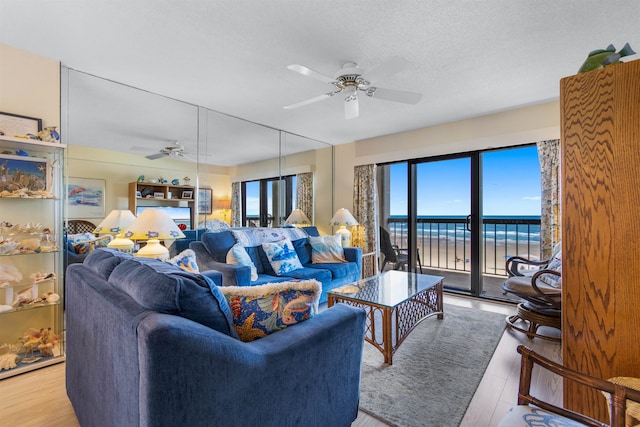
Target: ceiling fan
176 150
350 79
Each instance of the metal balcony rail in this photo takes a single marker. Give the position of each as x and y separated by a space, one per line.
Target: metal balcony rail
444 242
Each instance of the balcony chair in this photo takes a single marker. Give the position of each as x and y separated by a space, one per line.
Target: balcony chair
393 254
532 410
541 290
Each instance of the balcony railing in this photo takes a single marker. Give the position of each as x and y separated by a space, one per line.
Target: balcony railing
445 243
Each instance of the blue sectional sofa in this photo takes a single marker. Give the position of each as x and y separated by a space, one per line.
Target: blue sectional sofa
211 254
148 344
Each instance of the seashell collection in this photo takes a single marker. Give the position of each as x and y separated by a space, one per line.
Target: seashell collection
12 241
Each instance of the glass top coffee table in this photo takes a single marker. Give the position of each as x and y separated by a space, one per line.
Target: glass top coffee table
395 300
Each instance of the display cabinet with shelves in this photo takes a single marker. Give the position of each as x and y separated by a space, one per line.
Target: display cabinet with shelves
148 194
31 261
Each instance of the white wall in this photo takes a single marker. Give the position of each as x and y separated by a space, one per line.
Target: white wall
513 127
119 169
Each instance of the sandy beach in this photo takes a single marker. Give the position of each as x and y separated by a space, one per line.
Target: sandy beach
447 254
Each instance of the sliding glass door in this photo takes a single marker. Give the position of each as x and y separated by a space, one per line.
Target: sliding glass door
461 216
268 202
443 212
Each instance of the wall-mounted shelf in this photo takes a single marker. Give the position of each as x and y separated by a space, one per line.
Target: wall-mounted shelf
150 194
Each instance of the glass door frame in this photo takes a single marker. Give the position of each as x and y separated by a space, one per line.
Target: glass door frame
475 187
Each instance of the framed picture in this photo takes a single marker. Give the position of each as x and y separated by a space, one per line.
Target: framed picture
187 194
22 172
85 197
204 201
158 195
13 125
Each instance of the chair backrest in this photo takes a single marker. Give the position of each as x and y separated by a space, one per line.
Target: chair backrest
386 247
617 403
78 226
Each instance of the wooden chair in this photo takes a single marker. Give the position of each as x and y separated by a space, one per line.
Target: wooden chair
534 411
78 226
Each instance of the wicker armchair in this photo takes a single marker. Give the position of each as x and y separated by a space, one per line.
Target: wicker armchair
541 292
78 226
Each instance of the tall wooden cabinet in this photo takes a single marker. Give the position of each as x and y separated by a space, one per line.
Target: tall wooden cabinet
600 131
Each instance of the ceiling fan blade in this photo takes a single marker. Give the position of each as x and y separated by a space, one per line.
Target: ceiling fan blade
351 106
394 95
308 72
156 156
387 69
311 101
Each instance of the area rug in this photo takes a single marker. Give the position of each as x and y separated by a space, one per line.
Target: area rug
435 371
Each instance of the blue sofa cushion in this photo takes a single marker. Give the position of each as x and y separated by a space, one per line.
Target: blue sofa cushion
303 249
305 273
338 270
163 287
254 254
218 244
103 261
262 310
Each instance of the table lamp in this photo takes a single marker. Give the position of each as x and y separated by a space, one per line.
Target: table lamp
344 218
153 225
296 218
224 205
115 223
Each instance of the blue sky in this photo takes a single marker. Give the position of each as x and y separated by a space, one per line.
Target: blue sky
511 185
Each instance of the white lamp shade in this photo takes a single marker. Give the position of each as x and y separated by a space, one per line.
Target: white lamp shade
297 217
117 221
343 217
153 224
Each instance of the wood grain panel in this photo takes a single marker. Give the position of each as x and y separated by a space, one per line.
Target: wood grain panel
600 180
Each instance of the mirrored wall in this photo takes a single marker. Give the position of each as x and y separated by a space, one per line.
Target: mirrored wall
118 134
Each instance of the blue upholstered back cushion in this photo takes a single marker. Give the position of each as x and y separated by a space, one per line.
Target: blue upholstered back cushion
102 261
255 257
218 244
264 262
165 288
303 249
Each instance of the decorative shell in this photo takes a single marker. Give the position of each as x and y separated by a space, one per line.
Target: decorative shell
8 361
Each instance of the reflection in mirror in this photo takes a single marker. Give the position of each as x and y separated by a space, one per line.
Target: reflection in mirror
118 133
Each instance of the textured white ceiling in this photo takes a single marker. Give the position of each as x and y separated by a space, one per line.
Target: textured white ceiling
469 58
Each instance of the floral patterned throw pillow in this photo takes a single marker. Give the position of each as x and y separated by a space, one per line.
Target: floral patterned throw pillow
264 309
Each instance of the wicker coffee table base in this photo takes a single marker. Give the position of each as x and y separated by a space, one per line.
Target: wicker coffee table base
398 321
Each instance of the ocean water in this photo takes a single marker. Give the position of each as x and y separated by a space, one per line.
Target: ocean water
453 228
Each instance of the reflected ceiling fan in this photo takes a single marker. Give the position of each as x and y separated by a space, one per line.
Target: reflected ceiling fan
175 150
350 80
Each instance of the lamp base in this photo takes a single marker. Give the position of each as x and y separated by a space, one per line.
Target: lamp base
153 249
122 245
345 236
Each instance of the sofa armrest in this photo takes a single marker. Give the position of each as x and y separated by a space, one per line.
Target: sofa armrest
214 275
232 274
313 366
354 254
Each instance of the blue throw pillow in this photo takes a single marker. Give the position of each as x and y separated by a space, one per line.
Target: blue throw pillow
282 256
186 260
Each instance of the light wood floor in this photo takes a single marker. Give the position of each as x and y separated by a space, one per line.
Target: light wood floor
39 398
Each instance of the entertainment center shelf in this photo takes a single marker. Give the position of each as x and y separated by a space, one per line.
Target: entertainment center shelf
154 195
